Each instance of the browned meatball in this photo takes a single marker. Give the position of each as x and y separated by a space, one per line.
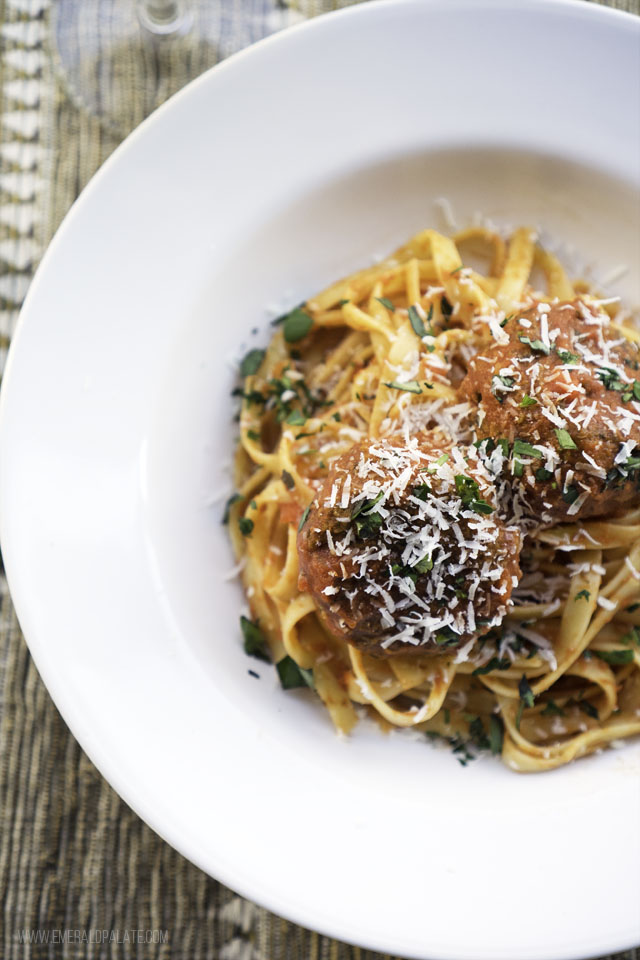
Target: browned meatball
403 550
559 407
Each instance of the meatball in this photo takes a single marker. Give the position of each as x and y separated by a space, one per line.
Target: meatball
559 411
403 550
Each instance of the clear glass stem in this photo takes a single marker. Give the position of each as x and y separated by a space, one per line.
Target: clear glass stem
165 17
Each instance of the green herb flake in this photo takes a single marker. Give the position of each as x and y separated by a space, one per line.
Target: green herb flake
304 517
366 506
292 676
536 345
417 323
296 419
527 401
496 734
386 303
423 566
565 439
433 467
567 357
297 325
409 386
253 435
227 507
583 595
288 480
570 494
246 526
468 491
542 474
552 710
523 449
251 362
588 708
255 643
494 664
615 658
525 691
632 637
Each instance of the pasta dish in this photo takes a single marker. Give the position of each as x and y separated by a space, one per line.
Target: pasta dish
437 513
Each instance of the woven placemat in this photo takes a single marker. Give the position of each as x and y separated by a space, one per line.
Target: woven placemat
81 876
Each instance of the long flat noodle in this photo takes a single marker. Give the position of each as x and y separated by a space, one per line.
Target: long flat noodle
517 269
291 613
523 756
491 239
558 286
335 698
285 587
441 677
573 635
357 319
592 534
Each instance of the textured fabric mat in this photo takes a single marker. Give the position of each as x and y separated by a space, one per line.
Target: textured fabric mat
73 856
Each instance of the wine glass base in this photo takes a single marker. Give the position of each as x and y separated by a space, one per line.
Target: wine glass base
118 70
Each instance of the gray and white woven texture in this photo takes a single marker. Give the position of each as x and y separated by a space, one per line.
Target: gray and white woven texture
73 856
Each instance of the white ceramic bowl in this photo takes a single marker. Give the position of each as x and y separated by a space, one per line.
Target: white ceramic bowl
280 170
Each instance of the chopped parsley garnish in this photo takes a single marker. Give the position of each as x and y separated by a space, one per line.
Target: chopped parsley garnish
432 468
297 325
497 381
494 664
288 480
446 307
611 379
424 565
527 401
536 345
296 419
341 303
255 643
336 417
567 357
253 435
386 303
523 449
251 362
469 493
446 637
526 698
552 710
457 270
304 517
246 526
417 322
588 708
292 676
227 507
565 439
496 734
478 734
409 386
632 637
525 691
542 474
615 658
366 506
504 322
583 595
570 494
